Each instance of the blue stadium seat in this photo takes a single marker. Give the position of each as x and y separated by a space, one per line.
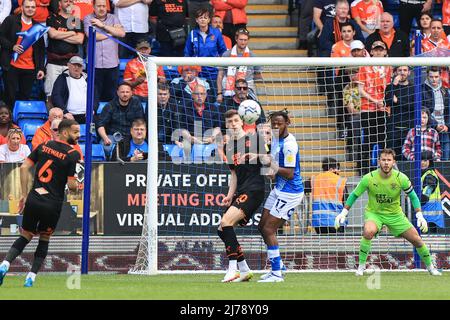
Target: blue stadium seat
29 129
101 105
83 135
98 154
35 122
123 64
171 72
29 110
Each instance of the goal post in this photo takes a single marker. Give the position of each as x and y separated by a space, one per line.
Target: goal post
300 86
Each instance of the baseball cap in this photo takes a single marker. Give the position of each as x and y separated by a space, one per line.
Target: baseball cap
143 44
76 60
379 44
356 44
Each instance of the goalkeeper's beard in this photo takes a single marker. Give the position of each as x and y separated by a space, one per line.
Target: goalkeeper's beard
384 170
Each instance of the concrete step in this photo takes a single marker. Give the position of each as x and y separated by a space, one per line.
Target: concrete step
272 32
273 43
252 2
313 135
300 111
292 100
286 89
264 20
266 9
322 122
270 74
278 53
321 144
323 153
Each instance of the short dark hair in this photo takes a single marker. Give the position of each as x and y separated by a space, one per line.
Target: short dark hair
66 124
387 151
283 114
436 20
347 24
124 84
163 86
201 12
231 113
330 163
433 69
138 122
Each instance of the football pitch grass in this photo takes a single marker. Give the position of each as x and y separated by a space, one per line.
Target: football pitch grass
297 286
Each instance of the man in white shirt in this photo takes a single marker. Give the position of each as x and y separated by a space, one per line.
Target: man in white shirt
70 91
133 15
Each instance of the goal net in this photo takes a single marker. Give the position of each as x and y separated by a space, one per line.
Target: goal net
343 112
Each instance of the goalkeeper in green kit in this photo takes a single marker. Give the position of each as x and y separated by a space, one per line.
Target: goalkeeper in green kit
384 186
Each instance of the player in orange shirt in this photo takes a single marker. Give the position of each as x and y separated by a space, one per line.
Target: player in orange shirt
134 73
367 14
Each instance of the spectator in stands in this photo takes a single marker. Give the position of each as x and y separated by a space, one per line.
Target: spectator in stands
20 74
133 16
135 74
14 150
194 6
133 148
435 40
233 16
216 22
373 81
6 123
367 14
167 119
397 41
170 17
82 8
342 48
305 18
410 10
198 116
65 35
106 51
429 139
205 41
430 199
338 79
352 102
226 78
436 98
117 116
5 9
323 10
400 98
358 49
446 16
331 31
328 195
70 91
242 93
41 14
182 87
44 132
425 24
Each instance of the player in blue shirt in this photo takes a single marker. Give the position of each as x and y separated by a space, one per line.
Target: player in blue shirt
284 167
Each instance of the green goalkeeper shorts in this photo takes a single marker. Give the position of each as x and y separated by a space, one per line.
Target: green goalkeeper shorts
397 223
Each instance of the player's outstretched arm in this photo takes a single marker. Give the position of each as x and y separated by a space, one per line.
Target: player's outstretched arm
24 177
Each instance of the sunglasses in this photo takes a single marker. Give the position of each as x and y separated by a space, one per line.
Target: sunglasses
55 129
245 31
241 88
15 130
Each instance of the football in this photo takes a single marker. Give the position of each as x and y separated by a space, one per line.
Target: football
249 111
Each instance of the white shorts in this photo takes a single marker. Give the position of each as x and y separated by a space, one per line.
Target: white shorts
282 204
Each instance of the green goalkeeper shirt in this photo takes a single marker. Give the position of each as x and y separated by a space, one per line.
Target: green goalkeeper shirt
384 194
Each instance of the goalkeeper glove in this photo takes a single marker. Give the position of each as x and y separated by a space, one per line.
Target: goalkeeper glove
421 222
340 218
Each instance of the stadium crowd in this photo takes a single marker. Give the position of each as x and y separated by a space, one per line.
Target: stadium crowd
372 105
